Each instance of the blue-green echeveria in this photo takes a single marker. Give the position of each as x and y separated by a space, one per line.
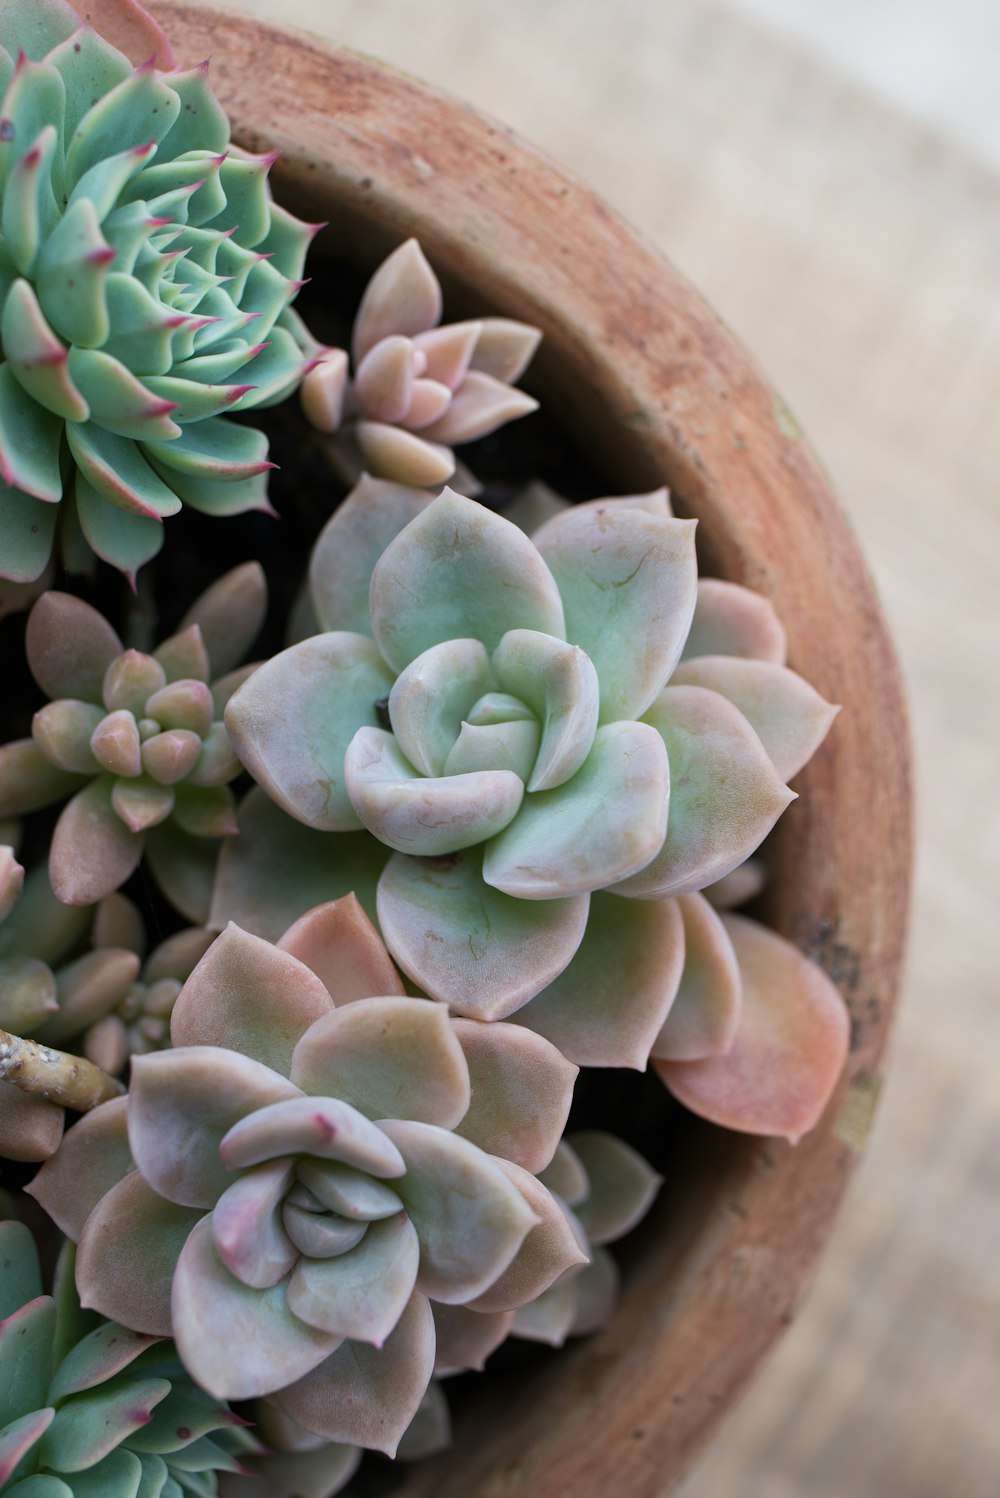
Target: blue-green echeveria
145 287
288 1190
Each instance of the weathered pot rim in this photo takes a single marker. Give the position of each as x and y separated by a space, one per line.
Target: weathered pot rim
647 372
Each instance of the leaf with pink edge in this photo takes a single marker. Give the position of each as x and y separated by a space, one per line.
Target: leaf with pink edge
733 620
552 1248
725 797
367 1396
389 1058
403 296
94 1156
93 852
28 781
780 1071
362 1293
458 571
628 581
522 1089
324 1128
706 1013
350 544
466 1338
480 951
621 1185
230 614
128 1253
30 1127
27 1335
608 1006
342 947
69 646
246 1226
246 995
92 1425
18 1438
102 1354
237 1342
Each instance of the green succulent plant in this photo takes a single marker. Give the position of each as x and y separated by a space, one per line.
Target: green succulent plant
89 1409
146 278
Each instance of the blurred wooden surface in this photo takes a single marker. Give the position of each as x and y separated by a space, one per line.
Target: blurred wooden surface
859 258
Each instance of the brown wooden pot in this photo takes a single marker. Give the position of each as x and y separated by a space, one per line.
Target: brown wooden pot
653 386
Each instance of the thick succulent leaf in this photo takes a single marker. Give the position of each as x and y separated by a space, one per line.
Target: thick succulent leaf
504 348
559 683
115 469
732 620
565 1176
403 296
237 1342
319 1236
350 544
63 731
215 448
93 852
89 1428
459 571
466 1338
27 994
430 1429
128 1253
26 1338
628 581
596 1289
328 686
550 507
28 781
40 923
479 406
28 532
22 1277
229 615
88 988
318 1473
94 1156
37 28
322 1127
29 442
608 1006
69 646
725 797
383 383
362 1293
550 1317
706 1013
788 715
345 1191
246 1226
129 28
30 1127
96 1359
367 1396
182 1103
601 826
480 951
789 1050
19 1437
389 1058
621 1185
509 746
323 390
342 947
469 1218
521 1092
36 356
403 457
552 1248
431 698
246 995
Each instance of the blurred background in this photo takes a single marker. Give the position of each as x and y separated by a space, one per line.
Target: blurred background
829 177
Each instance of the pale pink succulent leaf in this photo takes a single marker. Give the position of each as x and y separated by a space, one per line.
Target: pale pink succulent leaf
459 571
522 1089
217 763
323 390
29 781
229 615
92 852
601 826
310 1473
780 1071
347 1192
360 1294
30 1127
480 951
559 683
653 502
504 348
732 620
246 995
129 28
182 1103
448 351
349 545
69 646
88 988
323 1127
403 457
550 1317
628 581
317 1235
94 1156
184 655
726 794
383 382
328 686
129 679
470 1219
183 868
342 947
128 1252
432 696
533 506
789 716
608 1006
596 1289
466 1338
425 816
246 1226
367 1396
115 744
403 296
553 1247
479 406
430 1429
429 402
183 703
235 1341
622 1186
168 757
565 1176
63 731
11 880
706 1013
744 883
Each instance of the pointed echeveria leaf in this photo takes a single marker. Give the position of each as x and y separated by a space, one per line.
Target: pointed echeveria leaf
403 457
30 1127
726 795
383 383
389 1058
237 1342
470 1219
603 825
706 1013
505 347
349 546
246 995
28 781
621 1185
246 1226
328 686
28 531
459 572
19 1437
362 1293
89 1428
342 947
433 695
788 715
628 581
521 1092
27 1334
732 620
559 683
596 1289
466 1338
550 1317
69 646
565 1176
778 1075
93 852
480 951
128 1253
323 1127
478 407
367 1396
230 614
94 1156
88 988
551 1249
403 296
102 1354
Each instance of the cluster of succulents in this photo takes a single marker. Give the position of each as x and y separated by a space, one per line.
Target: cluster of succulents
296 986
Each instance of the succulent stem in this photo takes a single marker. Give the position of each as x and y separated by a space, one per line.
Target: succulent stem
64 1080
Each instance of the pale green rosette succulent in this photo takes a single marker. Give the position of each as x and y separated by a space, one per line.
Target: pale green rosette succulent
89 1409
289 1189
145 287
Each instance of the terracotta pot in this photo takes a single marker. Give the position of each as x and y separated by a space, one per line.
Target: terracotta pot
644 370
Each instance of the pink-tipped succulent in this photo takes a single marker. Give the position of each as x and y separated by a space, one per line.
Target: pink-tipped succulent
146 278
288 1190
138 742
417 390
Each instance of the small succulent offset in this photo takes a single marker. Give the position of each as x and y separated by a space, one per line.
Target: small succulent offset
145 287
418 389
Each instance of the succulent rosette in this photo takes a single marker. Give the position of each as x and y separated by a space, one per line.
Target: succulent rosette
289 1189
137 741
145 287
417 389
